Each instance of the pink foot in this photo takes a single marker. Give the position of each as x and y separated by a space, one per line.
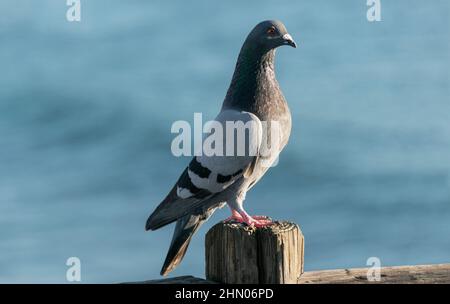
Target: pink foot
257 221
235 217
260 217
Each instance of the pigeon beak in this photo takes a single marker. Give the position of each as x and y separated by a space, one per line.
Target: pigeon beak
289 41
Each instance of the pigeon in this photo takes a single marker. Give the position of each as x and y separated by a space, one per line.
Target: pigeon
254 98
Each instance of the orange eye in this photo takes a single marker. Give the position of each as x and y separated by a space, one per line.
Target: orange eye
271 30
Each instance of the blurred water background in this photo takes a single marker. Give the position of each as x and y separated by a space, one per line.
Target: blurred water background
86 110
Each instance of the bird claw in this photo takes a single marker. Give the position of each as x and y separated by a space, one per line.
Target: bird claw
233 218
261 217
256 221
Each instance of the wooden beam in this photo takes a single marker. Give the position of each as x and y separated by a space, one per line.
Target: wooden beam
420 274
176 280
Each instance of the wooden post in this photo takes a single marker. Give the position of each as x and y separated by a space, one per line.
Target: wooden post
236 253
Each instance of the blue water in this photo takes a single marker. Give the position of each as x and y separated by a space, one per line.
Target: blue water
86 110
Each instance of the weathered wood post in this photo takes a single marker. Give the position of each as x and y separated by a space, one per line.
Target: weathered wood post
236 253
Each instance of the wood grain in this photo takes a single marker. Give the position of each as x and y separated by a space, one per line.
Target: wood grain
236 253
420 274
231 254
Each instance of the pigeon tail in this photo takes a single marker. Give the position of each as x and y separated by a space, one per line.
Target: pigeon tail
185 228
173 208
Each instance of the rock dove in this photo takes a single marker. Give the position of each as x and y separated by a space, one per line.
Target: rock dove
210 182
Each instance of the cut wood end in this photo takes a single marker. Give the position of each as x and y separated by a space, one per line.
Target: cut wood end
275 228
280 227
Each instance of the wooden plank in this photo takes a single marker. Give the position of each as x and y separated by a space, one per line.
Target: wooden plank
236 253
176 280
420 274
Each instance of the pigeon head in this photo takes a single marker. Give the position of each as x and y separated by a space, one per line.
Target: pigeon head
254 81
269 35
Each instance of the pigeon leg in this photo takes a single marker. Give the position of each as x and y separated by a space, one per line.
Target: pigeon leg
239 215
235 217
243 217
255 221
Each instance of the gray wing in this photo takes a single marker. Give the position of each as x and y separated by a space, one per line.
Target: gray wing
208 175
